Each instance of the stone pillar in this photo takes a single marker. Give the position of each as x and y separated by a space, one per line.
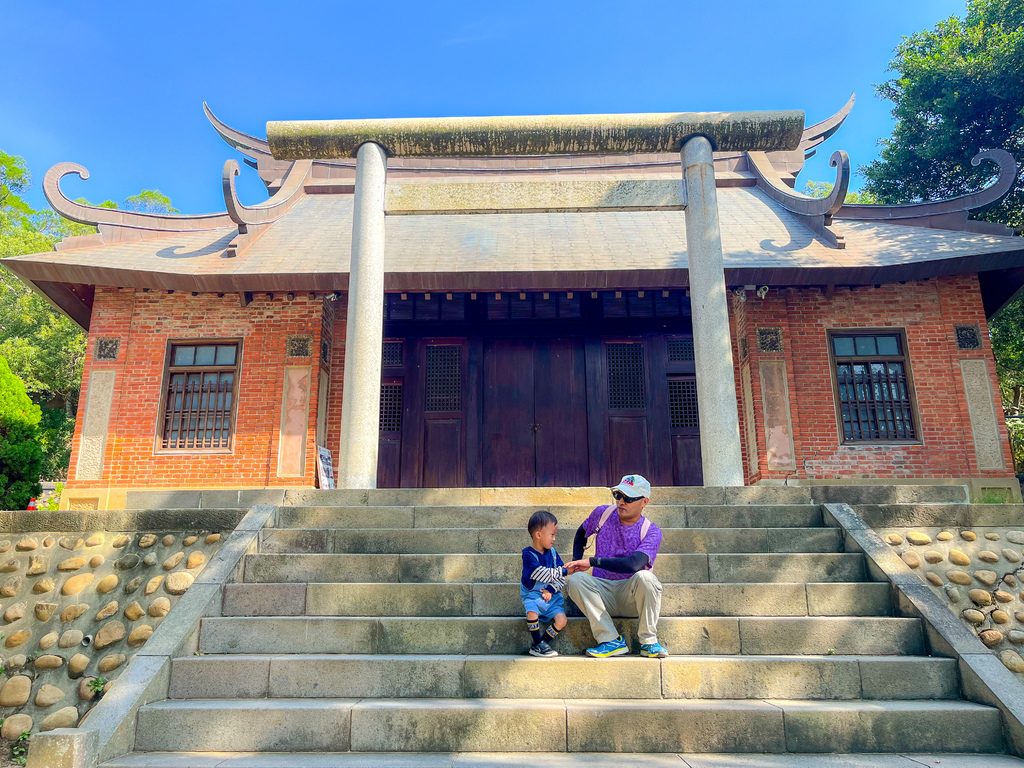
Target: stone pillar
364 337
720 453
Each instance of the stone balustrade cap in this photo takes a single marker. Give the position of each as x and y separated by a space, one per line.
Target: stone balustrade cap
766 131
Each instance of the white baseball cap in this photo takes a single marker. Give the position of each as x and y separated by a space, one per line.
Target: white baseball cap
634 485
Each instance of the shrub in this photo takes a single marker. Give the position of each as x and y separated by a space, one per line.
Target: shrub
1016 430
21 455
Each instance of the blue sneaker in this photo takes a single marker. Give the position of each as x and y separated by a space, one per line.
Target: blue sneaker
616 647
653 651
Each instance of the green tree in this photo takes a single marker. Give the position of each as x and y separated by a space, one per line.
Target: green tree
824 189
21 454
957 90
42 346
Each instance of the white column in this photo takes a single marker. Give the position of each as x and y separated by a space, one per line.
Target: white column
720 453
364 333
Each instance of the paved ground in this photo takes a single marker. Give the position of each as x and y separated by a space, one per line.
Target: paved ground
507 760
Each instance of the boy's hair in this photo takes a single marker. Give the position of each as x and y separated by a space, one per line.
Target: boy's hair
539 520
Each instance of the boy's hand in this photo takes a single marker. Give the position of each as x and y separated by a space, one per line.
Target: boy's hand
576 566
546 595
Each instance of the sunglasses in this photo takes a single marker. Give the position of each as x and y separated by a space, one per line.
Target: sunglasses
620 496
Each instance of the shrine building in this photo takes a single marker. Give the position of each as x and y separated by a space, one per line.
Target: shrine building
536 301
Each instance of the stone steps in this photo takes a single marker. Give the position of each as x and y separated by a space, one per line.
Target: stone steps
413 541
466 599
515 677
849 494
804 515
548 760
691 568
843 635
578 725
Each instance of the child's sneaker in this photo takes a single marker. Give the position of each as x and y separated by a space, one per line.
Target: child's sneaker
616 647
653 651
543 649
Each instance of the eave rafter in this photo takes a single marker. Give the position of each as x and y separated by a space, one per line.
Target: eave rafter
817 134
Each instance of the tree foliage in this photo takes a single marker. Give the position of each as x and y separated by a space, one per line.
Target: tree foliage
957 90
824 189
21 454
42 346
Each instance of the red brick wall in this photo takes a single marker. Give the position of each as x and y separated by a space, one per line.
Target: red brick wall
927 311
145 322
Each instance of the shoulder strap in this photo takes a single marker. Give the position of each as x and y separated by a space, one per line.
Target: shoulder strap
604 518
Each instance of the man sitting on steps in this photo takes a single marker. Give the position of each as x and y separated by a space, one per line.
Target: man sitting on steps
622 583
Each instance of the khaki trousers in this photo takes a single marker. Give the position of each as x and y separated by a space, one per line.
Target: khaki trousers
600 599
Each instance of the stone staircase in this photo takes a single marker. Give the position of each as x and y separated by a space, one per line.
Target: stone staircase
383 622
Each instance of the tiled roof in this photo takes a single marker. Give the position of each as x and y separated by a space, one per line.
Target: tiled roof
314 238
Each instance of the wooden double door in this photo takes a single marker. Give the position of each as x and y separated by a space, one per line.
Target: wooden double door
544 411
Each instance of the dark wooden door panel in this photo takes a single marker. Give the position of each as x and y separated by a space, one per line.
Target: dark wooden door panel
686 466
560 388
508 413
443 463
389 464
628 441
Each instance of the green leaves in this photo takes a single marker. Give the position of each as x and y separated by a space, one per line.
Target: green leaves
41 346
21 455
957 90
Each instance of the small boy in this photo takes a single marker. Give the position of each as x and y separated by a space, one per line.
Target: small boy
542 582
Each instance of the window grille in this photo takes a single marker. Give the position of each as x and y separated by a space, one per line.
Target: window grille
626 375
392 354
444 378
769 339
873 387
680 350
390 407
298 346
682 403
968 336
106 350
200 395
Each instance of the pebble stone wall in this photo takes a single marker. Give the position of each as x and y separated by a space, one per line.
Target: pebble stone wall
979 574
76 607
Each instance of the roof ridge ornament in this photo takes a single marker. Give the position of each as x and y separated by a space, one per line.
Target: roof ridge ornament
118 219
254 220
816 134
954 211
815 212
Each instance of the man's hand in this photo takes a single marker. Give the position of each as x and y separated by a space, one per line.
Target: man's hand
546 595
576 566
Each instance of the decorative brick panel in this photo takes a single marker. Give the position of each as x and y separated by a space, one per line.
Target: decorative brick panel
967 336
106 350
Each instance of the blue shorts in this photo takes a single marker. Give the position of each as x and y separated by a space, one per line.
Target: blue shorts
545 609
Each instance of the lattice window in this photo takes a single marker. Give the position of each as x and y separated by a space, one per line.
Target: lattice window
199 400
873 388
626 375
682 403
444 378
392 354
390 407
680 350
968 336
769 339
298 346
106 350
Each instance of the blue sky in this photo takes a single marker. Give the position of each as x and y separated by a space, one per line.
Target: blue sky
119 87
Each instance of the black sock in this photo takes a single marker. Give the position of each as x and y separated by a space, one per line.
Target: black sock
535 633
551 633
